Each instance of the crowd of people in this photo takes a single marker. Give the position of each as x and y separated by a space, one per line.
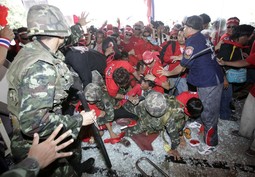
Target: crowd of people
163 80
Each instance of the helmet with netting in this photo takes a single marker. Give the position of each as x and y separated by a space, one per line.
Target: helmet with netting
46 20
93 92
155 104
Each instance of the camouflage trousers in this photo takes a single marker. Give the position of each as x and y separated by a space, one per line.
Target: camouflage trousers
145 123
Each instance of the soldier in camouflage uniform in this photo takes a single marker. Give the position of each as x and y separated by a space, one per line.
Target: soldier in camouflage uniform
160 112
95 95
38 81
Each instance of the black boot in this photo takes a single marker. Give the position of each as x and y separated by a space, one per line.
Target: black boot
88 166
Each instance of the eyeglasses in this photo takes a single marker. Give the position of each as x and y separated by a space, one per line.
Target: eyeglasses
138 29
231 27
127 34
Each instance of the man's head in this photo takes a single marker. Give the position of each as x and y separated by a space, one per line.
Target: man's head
175 30
155 104
121 77
147 84
232 22
93 93
194 108
47 20
206 20
22 35
242 34
149 58
193 25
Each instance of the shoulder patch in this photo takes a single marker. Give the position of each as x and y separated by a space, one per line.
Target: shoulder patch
188 52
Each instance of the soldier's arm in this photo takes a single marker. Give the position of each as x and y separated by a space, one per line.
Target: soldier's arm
173 133
37 102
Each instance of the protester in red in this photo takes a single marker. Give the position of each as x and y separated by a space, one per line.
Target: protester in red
153 64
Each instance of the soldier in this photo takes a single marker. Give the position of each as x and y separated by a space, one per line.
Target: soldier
38 81
161 112
102 103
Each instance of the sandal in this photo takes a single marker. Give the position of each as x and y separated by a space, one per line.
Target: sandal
115 140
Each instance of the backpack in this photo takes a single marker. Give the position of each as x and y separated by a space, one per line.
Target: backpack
163 51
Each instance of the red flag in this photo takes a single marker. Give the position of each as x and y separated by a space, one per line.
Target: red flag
75 19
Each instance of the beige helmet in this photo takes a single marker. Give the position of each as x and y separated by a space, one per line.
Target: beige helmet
47 20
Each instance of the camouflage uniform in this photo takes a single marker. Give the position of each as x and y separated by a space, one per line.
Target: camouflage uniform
159 112
103 101
38 81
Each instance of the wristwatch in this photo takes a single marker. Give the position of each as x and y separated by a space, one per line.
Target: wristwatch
30 165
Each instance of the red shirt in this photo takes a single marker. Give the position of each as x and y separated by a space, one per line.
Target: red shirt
111 86
251 60
126 46
153 70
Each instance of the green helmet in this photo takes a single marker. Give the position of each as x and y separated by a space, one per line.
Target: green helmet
46 20
93 92
155 104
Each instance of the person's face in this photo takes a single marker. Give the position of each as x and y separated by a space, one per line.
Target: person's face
128 35
100 38
23 38
144 85
186 31
137 30
181 37
146 35
230 28
243 40
206 26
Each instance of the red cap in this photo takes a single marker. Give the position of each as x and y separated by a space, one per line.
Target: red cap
148 57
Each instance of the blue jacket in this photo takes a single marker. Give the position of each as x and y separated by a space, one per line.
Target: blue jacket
204 71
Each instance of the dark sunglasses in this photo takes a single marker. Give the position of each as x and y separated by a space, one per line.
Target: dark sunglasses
138 29
231 27
128 34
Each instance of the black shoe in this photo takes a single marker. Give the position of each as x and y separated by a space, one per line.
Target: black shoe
88 165
93 170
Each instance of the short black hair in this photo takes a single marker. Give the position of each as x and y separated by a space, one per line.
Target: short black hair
206 18
121 76
242 30
194 107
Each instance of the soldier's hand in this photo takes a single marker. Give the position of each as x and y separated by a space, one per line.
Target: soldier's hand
174 153
88 117
7 33
47 151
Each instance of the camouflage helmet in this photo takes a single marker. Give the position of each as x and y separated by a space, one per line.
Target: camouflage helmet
93 92
155 104
45 19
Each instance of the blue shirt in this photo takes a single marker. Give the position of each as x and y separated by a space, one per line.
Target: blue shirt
204 70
